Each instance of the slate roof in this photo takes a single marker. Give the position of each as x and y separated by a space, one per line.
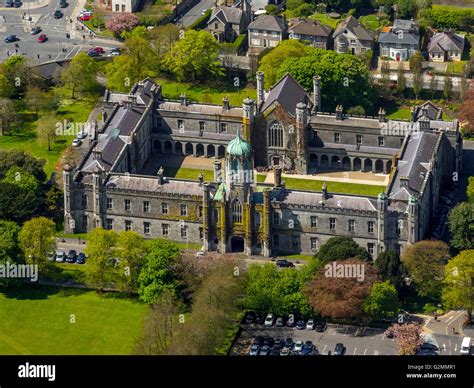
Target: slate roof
225 14
360 122
294 197
309 27
287 92
446 41
363 148
125 120
393 37
352 24
414 164
432 111
269 23
200 108
405 25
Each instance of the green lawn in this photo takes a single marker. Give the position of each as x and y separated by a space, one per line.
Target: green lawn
402 113
456 67
325 19
202 93
373 22
188 173
37 321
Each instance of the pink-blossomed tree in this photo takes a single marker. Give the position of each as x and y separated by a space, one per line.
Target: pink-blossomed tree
123 22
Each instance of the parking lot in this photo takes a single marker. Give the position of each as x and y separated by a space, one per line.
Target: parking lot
357 341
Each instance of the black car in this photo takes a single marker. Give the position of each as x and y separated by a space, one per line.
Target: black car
81 258
17 4
71 256
9 3
288 343
93 53
58 14
300 325
320 326
339 350
250 317
63 4
10 39
278 344
115 50
258 340
283 263
275 352
259 320
309 344
269 341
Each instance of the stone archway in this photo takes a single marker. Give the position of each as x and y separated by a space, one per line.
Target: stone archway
199 150
178 148
346 163
221 152
313 160
378 166
168 147
368 165
237 244
336 162
357 164
189 149
324 161
211 151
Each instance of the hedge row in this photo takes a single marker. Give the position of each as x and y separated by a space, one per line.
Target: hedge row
457 18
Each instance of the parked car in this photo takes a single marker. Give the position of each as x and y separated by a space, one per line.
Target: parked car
259 320
93 53
285 352
51 256
269 341
81 135
63 3
60 256
254 350
269 320
298 346
71 256
42 38
98 49
203 12
310 324
275 352
309 344
290 322
17 4
265 350
278 343
10 39
58 14
289 343
76 142
9 3
35 30
279 322
81 258
113 54
300 325
250 317
258 340
115 50
320 326
339 350
85 18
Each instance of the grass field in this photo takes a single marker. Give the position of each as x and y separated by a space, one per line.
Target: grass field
373 22
201 93
402 113
188 173
456 67
38 321
325 19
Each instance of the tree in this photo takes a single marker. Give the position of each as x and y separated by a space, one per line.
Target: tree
461 226
269 63
385 79
401 79
34 97
416 62
46 130
433 85
466 113
271 9
344 78
406 9
100 251
124 21
37 239
382 302
23 179
408 338
194 57
390 267
7 115
470 189
417 84
447 87
340 248
425 262
130 249
16 77
341 297
9 246
162 38
458 290
15 158
156 275
80 75
17 204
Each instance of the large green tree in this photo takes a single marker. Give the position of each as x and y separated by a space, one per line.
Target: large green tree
156 275
340 248
9 246
458 289
80 75
37 239
194 57
461 226
382 302
131 248
16 203
425 261
344 78
23 179
15 158
390 267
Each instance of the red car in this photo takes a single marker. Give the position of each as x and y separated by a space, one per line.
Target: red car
98 50
85 18
42 38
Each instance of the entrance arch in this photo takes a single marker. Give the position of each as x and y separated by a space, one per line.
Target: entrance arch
313 160
357 164
199 150
168 147
324 161
335 162
178 148
346 163
368 165
237 244
378 166
189 149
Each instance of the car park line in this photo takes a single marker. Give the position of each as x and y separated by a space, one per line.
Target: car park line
365 351
355 350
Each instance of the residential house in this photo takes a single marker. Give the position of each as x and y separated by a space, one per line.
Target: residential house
350 36
121 5
266 31
400 41
312 31
446 46
226 23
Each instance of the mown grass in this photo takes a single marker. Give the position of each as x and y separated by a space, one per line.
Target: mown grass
188 173
54 321
325 19
207 94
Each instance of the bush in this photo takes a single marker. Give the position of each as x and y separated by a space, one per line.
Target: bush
446 17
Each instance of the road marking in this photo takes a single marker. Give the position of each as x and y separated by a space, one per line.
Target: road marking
325 346
355 350
427 321
450 343
365 351
455 347
444 347
376 352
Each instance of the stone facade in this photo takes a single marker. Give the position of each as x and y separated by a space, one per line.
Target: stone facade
115 187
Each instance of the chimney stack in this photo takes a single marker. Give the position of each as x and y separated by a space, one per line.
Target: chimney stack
260 88
324 191
183 99
225 103
277 176
404 181
382 115
339 114
317 93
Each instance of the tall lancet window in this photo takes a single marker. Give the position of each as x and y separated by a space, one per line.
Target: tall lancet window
275 135
237 211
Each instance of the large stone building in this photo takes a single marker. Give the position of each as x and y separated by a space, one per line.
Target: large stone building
119 183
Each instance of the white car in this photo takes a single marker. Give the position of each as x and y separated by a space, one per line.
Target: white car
203 11
81 135
200 254
310 324
76 142
60 256
298 346
113 54
269 320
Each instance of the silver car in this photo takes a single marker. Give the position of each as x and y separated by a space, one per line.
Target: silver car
60 256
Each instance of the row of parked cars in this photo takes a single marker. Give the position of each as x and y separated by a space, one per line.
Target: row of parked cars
267 346
71 257
271 320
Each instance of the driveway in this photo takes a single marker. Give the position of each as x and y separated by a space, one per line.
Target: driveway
195 13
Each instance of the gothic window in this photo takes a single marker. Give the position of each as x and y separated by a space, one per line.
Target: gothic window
237 212
275 135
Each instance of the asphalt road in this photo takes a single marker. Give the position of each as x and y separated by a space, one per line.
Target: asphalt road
57 47
195 13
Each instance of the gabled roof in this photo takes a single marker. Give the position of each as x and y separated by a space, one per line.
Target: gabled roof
226 14
352 25
393 37
269 23
287 92
310 27
429 110
446 41
405 25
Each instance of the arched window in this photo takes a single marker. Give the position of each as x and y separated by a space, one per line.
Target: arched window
275 135
237 211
